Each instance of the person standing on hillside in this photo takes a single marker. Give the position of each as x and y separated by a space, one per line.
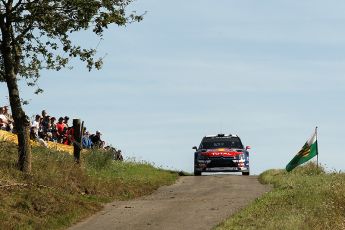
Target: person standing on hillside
3 119
44 113
66 119
35 130
46 125
86 141
9 119
53 129
60 128
96 140
35 127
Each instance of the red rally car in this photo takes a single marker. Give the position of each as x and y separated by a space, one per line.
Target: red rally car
221 153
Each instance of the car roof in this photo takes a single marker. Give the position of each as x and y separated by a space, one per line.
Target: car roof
220 135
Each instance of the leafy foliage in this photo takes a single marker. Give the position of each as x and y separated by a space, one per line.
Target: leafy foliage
36 35
39 32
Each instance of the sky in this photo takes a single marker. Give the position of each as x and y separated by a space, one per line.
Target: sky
269 71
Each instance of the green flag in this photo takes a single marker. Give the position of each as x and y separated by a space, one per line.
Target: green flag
308 151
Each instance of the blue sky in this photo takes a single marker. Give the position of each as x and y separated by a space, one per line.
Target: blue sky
269 71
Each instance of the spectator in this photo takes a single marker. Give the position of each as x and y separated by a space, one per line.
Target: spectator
53 129
48 132
64 136
35 127
9 119
69 136
9 116
96 140
44 113
66 118
49 136
86 141
46 125
60 128
35 131
3 119
117 156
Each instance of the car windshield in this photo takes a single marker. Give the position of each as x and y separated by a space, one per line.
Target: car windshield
232 143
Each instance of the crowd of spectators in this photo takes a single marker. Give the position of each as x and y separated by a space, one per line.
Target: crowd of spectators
47 128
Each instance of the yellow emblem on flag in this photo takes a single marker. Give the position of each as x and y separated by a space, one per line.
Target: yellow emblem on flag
304 152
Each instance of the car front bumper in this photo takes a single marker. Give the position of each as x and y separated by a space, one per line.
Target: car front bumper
221 165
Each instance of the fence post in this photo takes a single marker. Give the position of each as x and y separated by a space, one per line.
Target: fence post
77 140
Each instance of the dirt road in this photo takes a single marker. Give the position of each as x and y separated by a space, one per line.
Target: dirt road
191 203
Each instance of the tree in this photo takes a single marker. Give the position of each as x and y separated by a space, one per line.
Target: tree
36 35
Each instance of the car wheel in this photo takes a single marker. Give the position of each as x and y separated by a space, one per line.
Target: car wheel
245 173
197 173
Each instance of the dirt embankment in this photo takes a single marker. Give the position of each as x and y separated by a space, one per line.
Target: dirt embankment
191 203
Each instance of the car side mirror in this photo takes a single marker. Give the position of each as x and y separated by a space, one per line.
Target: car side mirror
247 147
194 147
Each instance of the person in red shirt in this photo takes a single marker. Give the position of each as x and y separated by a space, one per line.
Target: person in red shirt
60 128
70 136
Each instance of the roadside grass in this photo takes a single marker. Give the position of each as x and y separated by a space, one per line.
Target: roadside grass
58 192
306 198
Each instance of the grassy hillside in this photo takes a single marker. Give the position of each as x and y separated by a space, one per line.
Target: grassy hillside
306 198
58 192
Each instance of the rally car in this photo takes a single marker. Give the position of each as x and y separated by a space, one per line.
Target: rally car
221 153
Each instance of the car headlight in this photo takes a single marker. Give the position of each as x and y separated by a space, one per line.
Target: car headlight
241 156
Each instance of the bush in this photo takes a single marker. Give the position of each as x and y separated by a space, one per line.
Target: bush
98 159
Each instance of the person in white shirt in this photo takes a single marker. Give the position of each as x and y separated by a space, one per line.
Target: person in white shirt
35 126
3 119
9 118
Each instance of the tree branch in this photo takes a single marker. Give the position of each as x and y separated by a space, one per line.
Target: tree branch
24 32
17 5
16 52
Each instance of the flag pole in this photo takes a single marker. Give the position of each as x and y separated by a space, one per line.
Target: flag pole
317 155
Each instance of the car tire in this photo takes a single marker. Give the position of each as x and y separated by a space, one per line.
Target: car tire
245 173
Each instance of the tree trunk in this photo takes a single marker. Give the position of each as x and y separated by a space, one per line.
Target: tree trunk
21 124
21 121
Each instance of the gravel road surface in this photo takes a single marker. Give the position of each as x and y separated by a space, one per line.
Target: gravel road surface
191 203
